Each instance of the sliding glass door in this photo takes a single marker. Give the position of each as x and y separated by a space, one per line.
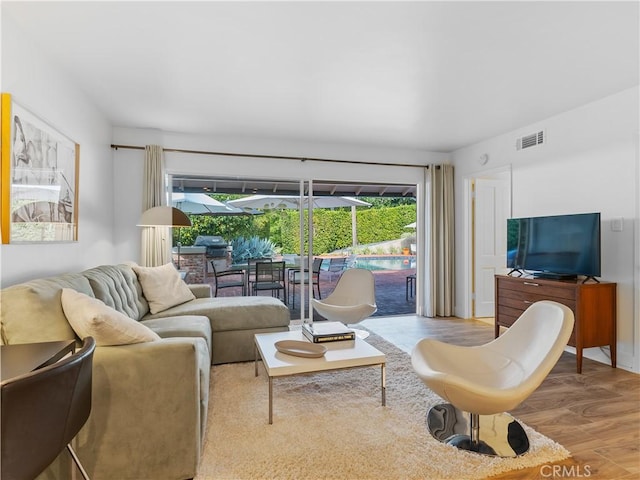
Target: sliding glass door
374 235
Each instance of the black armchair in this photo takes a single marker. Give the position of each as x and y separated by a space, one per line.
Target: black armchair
42 411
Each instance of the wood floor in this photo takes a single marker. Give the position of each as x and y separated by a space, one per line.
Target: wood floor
595 415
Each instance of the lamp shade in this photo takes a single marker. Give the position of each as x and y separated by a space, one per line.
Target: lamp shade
164 217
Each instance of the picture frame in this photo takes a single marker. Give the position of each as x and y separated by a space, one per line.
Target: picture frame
39 179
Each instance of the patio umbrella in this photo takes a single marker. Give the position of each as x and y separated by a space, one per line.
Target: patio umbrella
271 202
202 204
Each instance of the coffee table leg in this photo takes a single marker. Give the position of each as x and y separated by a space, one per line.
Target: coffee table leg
270 400
384 385
255 358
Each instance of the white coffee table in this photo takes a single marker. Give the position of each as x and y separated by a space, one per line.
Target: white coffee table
339 355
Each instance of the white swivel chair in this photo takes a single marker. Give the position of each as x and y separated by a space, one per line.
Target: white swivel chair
353 299
487 380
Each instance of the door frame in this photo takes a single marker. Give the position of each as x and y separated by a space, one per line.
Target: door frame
327 176
469 233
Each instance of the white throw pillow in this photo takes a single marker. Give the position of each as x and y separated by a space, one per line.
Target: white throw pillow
162 287
90 317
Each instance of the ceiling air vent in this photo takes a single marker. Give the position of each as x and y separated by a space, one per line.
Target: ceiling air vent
530 140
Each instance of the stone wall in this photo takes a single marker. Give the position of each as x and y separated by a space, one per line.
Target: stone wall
195 264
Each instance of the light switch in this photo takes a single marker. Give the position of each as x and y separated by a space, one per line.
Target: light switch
617 224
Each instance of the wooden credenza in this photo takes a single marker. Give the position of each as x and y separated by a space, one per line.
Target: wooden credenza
593 305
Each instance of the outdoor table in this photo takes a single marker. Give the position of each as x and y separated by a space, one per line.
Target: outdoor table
244 267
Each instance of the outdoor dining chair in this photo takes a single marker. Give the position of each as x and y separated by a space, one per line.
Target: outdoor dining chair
251 271
270 276
295 277
227 279
336 266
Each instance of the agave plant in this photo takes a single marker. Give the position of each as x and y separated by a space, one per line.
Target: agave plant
253 247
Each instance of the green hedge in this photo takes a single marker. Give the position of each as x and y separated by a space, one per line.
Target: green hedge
332 228
227 227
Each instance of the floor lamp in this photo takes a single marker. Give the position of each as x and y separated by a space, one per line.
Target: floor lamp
165 217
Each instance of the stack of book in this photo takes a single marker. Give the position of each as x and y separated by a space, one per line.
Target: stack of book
318 332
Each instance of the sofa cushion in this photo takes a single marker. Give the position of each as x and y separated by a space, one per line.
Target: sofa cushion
118 287
234 313
182 326
90 317
162 287
200 290
32 312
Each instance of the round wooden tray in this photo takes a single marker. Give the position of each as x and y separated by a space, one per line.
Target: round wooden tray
301 349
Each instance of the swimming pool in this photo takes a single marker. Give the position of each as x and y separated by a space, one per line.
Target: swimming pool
386 262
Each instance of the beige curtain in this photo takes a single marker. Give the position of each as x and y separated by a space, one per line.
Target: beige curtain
155 246
441 242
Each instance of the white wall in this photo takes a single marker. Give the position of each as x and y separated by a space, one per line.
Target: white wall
589 163
46 91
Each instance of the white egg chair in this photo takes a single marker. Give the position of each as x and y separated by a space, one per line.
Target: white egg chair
352 300
480 383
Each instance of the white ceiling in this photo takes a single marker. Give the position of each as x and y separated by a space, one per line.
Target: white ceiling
425 75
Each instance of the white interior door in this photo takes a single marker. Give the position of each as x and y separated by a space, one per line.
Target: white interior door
492 208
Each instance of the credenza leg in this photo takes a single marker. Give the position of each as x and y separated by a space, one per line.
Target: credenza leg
579 359
612 351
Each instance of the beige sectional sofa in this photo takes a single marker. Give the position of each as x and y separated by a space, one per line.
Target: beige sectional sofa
150 399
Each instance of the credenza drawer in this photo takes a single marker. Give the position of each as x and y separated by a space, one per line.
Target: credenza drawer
522 300
535 287
507 314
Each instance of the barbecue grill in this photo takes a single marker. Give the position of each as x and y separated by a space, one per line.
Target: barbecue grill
216 247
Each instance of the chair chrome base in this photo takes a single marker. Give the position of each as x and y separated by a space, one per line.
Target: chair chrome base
496 435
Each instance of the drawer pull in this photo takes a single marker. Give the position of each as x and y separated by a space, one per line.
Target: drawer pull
532 284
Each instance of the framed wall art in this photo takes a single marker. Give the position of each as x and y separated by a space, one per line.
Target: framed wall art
39 181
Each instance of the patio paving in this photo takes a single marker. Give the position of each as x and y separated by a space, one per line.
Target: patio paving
390 292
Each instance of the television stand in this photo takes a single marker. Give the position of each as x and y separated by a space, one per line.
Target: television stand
593 305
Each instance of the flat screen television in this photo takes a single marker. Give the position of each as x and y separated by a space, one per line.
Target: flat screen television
558 246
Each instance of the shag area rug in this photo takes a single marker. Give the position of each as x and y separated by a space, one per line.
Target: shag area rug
332 426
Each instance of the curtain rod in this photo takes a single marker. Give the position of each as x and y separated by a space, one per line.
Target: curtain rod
274 157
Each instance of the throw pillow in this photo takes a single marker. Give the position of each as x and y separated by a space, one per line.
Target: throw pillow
90 317
162 287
